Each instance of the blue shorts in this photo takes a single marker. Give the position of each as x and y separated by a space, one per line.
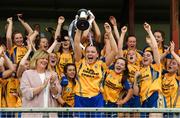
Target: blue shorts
152 101
133 102
96 101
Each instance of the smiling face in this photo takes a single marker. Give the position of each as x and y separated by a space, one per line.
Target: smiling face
43 44
147 58
91 54
53 59
120 66
42 63
131 42
66 43
18 39
71 71
131 56
172 67
159 38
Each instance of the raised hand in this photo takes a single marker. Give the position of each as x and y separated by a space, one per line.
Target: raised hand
124 29
91 14
112 19
172 46
20 17
61 19
107 27
9 20
147 27
91 17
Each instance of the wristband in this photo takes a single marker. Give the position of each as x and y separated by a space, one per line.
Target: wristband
56 96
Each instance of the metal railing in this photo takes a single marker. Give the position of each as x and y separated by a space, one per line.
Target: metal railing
91 112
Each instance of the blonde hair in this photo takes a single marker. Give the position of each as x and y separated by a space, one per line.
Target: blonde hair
38 55
49 65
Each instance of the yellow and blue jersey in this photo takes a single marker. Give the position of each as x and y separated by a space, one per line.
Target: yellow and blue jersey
2 91
12 86
17 53
133 68
65 58
68 93
150 81
58 70
113 86
90 77
170 88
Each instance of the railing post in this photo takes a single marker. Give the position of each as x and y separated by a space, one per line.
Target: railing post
131 17
174 22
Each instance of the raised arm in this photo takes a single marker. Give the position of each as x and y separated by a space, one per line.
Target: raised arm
176 57
21 68
57 34
25 24
32 38
85 35
77 48
94 27
121 41
61 20
51 48
86 32
165 53
112 19
9 43
152 43
8 62
114 49
107 47
97 32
